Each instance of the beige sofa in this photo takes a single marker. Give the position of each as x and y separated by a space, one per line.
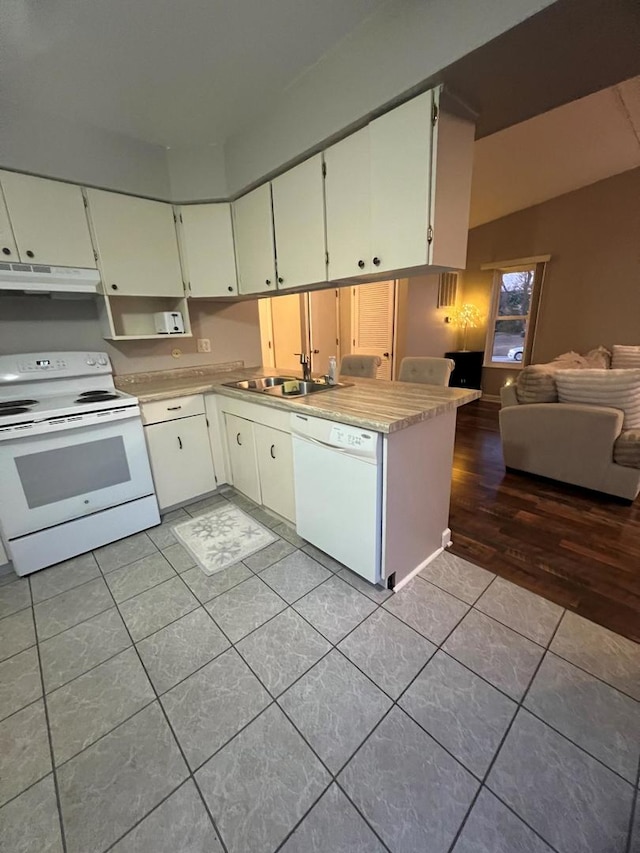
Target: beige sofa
577 444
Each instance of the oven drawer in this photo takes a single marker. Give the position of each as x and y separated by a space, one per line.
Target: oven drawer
169 410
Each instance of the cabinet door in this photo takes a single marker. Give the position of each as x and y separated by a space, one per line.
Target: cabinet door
8 248
208 253
275 465
348 200
242 456
180 458
137 245
298 216
49 221
253 221
400 144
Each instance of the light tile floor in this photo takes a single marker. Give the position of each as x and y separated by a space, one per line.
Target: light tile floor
284 704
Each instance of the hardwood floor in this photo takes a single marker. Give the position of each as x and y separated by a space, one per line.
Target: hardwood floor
577 548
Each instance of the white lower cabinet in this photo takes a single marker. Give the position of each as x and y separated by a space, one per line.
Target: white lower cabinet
275 467
180 457
242 456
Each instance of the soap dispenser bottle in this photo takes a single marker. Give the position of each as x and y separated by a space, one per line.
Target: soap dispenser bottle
333 371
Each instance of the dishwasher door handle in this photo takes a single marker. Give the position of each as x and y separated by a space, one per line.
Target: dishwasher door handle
321 443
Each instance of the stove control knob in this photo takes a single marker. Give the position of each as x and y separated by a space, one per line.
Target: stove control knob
102 361
91 362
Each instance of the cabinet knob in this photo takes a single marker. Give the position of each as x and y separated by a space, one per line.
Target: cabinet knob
114 287
6 250
30 254
361 264
273 451
280 280
267 281
376 262
230 289
238 439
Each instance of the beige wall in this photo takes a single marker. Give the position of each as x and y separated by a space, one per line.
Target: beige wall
421 326
36 324
591 292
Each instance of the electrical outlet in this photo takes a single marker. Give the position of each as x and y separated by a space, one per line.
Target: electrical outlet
204 345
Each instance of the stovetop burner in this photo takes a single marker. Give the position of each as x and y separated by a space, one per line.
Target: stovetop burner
14 410
96 397
99 393
12 404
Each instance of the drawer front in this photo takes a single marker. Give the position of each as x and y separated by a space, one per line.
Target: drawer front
169 410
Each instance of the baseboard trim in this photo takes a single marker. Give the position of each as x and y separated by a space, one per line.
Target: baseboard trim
446 537
491 398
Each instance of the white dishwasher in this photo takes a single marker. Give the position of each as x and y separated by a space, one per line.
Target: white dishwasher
338 485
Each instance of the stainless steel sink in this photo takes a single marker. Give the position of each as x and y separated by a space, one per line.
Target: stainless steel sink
259 384
274 385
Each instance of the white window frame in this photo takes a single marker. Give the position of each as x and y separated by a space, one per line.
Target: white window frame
499 268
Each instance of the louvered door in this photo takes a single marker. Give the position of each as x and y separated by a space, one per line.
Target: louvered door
372 312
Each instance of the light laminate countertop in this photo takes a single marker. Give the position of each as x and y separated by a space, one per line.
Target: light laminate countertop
373 404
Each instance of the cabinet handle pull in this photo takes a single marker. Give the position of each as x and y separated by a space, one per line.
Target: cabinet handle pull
280 280
376 262
114 287
230 289
238 440
30 254
267 281
179 442
6 250
173 408
361 264
273 451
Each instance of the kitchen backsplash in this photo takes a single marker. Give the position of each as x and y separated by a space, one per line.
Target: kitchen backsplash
36 324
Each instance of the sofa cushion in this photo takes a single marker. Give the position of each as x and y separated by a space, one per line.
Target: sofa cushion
626 450
625 357
618 389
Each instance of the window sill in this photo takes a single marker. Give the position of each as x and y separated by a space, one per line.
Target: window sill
503 365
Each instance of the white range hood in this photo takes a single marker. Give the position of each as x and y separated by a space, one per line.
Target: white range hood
44 279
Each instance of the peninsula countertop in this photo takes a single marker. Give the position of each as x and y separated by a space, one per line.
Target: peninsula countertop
374 404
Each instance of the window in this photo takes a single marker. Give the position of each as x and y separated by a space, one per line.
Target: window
510 330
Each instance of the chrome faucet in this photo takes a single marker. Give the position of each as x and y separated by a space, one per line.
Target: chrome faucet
305 361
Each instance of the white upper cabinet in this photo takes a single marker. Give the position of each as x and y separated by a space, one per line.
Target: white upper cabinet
398 192
298 215
208 255
49 221
253 220
348 200
453 139
8 248
137 245
400 148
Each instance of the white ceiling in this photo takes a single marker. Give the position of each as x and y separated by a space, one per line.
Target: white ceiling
172 73
554 153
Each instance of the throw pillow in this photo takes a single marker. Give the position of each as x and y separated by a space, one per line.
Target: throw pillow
570 359
625 357
619 389
600 357
536 384
626 450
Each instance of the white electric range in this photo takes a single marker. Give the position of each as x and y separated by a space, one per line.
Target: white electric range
74 470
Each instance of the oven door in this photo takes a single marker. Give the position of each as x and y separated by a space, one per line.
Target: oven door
64 474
